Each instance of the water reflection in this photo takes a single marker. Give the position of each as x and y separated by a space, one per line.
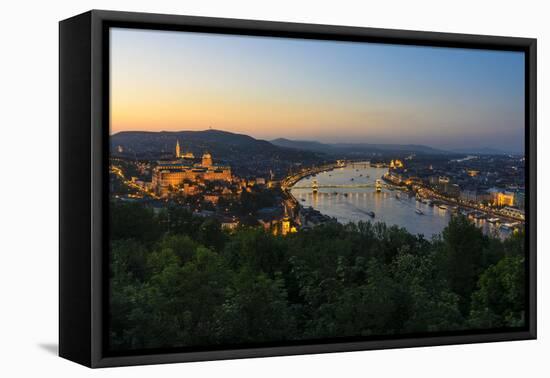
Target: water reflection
349 203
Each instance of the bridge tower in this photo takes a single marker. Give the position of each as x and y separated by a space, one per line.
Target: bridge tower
315 186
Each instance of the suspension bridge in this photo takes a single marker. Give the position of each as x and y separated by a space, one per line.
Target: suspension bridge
315 186
350 186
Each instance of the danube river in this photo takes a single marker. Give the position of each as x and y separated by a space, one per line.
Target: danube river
353 204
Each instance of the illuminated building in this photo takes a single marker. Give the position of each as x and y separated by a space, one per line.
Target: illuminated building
505 199
502 198
206 160
396 164
212 198
285 226
171 174
180 154
229 224
269 217
472 173
187 155
260 181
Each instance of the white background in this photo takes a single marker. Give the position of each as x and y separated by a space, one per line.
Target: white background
29 187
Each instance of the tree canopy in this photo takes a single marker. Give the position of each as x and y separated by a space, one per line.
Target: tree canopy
179 280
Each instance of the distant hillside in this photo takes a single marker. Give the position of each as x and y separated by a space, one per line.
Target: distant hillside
485 151
355 148
241 151
407 148
302 145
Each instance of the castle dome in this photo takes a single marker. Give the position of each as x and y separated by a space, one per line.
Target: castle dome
207 160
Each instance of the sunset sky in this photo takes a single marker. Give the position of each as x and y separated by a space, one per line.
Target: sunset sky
316 90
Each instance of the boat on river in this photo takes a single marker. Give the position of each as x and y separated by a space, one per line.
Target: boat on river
479 215
419 212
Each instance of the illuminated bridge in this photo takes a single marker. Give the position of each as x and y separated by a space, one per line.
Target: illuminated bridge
372 185
378 185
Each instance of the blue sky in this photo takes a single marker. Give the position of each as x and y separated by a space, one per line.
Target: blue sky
317 90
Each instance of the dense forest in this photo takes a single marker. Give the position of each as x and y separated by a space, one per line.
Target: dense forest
178 280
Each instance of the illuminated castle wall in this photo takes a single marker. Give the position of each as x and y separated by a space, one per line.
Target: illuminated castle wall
174 173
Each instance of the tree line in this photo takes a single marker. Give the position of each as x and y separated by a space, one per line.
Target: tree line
179 280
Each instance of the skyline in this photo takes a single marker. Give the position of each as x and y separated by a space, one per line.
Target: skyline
326 91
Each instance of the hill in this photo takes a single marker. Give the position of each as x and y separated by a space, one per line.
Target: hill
355 148
486 151
243 152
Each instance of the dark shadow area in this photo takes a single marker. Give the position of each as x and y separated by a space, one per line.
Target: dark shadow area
52 348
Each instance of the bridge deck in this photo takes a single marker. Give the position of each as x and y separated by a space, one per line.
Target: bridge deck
343 186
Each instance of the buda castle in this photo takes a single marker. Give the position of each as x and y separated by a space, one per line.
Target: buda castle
186 169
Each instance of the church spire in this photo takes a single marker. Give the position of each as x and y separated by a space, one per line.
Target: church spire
178 154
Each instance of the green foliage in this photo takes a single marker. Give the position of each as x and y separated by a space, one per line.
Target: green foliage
178 280
499 301
257 198
133 221
256 308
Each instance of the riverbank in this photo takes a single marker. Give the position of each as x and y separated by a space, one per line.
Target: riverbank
348 194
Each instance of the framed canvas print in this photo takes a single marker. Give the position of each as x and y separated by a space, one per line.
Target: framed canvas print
233 188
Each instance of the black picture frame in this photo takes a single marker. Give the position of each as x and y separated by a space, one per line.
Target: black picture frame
83 141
